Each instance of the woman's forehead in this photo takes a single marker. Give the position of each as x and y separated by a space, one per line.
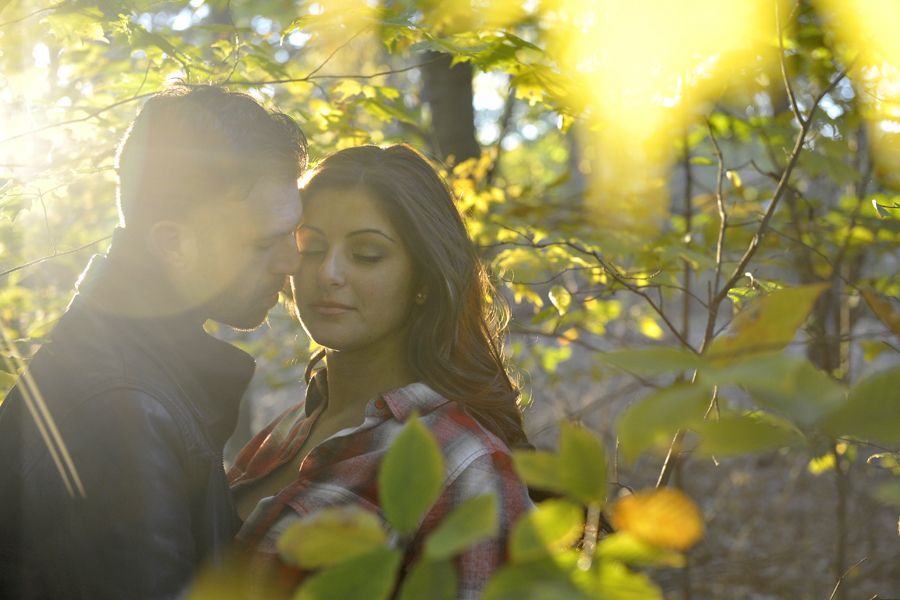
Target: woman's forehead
344 209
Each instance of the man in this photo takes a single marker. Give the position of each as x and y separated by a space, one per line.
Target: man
111 476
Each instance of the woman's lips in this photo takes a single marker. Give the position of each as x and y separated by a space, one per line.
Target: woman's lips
330 308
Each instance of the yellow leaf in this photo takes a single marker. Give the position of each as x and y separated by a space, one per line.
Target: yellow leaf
347 88
883 310
666 518
650 328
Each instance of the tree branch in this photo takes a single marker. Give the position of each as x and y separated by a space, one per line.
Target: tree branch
52 256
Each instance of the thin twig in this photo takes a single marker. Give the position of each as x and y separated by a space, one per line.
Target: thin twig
52 256
90 115
784 75
307 78
847 572
33 14
720 204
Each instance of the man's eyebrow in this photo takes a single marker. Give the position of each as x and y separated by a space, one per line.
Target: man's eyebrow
272 235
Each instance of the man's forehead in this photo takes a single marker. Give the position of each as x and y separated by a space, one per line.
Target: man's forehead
274 205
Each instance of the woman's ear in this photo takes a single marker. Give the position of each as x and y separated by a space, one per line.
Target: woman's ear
174 244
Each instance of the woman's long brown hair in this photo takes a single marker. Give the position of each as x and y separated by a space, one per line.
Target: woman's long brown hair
456 334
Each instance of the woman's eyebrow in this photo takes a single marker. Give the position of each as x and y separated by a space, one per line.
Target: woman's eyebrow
375 231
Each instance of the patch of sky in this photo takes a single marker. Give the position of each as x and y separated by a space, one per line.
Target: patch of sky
316 9
488 133
530 131
763 104
298 38
183 19
282 56
41 55
261 25
198 3
145 20
511 142
831 109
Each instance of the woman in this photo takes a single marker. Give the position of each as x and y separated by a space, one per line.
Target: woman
392 289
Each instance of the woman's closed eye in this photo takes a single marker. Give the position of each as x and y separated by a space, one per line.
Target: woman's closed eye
367 257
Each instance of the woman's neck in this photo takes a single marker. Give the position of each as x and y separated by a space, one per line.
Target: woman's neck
355 377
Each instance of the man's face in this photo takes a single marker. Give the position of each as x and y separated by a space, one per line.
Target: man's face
246 248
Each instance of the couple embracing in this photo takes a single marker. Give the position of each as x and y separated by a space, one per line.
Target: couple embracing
111 476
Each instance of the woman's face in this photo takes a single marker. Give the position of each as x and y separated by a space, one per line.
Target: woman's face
354 286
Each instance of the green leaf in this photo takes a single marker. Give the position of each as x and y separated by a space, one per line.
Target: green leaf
872 411
367 577
411 477
539 469
582 463
330 536
769 323
788 385
628 548
536 580
472 521
736 435
614 581
888 493
549 529
7 380
653 420
431 579
651 361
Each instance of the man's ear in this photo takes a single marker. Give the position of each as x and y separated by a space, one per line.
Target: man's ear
174 244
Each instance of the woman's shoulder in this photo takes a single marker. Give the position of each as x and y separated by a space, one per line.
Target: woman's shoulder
461 437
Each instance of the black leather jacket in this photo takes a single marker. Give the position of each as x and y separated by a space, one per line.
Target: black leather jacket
135 498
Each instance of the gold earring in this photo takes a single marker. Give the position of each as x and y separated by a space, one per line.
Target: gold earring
420 298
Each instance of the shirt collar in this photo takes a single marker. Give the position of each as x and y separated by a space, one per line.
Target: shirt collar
402 402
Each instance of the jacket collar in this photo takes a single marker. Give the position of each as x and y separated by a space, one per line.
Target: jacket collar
212 375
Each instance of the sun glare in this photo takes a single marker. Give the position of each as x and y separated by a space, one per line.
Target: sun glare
645 69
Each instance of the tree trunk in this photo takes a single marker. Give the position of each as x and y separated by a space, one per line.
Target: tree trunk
448 92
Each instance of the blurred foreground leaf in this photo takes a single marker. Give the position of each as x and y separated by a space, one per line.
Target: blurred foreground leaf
330 536
431 579
367 577
652 421
768 323
582 464
872 411
550 528
735 435
469 523
411 476
666 518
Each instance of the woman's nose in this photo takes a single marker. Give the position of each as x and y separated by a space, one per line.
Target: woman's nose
331 271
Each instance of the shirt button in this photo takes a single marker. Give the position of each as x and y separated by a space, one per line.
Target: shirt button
380 404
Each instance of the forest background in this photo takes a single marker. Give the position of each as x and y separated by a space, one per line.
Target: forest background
692 208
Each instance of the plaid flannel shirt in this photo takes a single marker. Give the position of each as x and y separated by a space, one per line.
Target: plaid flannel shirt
343 470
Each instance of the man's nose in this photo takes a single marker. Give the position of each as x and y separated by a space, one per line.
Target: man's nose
287 259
